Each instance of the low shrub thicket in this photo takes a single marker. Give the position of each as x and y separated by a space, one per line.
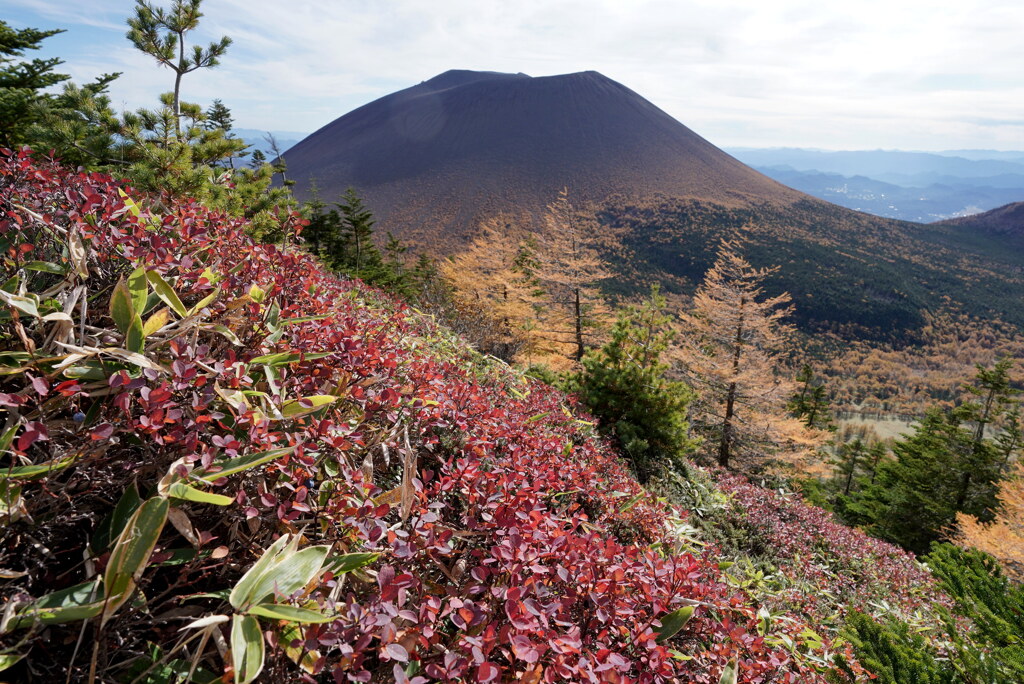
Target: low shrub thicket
219 458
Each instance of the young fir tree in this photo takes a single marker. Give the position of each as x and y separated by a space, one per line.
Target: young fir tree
22 83
624 384
733 339
850 459
258 159
948 466
893 653
811 403
355 253
160 33
570 268
994 608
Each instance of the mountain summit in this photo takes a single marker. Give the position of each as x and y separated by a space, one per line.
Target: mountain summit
465 143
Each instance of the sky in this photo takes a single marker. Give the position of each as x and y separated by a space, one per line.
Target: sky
828 74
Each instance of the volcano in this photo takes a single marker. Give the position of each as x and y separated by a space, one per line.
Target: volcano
433 160
440 155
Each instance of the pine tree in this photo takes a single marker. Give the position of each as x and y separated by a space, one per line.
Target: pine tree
161 34
624 384
80 125
570 268
731 350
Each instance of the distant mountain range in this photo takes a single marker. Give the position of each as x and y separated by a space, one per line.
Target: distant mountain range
914 186
1006 220
434 159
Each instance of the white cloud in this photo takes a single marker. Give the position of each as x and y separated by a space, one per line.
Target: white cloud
926 74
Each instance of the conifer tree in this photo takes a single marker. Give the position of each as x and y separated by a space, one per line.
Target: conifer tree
947 466
811 403
850 459
161 34
894 653
624 384
570 268
22 82
218 116
731 353
993 605
1003 537
355 251
257 159
493 280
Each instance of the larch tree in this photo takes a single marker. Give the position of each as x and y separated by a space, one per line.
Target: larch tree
161 33
570 268
1004 536
731 354
493 283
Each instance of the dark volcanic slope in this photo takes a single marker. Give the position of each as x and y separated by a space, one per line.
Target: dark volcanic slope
433 159
1004 220
467 143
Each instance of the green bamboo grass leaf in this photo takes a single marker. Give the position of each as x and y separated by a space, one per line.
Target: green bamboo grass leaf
240 594
122 309
7 661
283 358
31 472
276 611
112 526
7 437
67 605
304 319
166 293
247 649
289 573
673 622
293 408
135 337
348 562
131 553
180 490
730 673
46 267
233 466
29 305
204 302
138 289
226 332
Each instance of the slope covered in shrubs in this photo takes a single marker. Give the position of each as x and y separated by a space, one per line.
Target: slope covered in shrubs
221 460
